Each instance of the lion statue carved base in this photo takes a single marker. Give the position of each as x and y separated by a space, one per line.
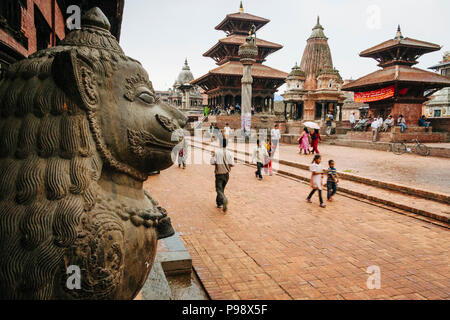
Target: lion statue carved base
80 131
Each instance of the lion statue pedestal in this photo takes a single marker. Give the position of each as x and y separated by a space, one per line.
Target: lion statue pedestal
80 131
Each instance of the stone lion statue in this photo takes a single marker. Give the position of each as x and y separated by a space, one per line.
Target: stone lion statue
80 131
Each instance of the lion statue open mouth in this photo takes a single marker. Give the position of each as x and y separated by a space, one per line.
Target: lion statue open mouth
80 131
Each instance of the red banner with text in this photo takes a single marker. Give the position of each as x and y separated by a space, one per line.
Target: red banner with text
376 95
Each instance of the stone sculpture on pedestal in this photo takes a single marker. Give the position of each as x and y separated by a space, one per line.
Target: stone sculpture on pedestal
80 131
247 54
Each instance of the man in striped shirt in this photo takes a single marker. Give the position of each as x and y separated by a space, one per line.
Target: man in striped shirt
332 181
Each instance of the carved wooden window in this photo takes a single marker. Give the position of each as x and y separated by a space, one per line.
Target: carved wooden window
43 30
10 14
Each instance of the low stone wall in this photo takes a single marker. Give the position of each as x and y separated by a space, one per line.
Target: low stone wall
384 146
441 124
234 121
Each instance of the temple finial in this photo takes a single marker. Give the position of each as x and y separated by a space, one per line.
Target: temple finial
399 35
318 20
241 8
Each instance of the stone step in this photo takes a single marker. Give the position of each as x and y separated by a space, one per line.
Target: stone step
411 129
175 259
435 151
424 137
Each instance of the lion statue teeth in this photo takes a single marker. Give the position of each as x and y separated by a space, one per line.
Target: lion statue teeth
80 131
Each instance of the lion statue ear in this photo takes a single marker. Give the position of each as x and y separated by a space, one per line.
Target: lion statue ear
75 75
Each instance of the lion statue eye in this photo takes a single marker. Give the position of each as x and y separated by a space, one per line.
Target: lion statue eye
147 97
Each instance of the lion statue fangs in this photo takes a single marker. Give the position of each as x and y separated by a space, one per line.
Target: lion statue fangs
58 207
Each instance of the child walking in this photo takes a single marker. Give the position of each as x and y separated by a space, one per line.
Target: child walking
316 179
268 160
332 181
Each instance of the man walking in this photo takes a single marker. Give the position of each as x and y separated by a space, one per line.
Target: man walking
275 136
223 160
259 154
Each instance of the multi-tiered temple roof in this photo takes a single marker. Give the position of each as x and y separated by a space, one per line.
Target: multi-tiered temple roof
223 84
398 88
396 57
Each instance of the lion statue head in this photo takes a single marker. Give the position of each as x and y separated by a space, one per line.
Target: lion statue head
80 130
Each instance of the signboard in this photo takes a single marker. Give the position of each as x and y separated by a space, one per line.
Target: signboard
246 122
376 95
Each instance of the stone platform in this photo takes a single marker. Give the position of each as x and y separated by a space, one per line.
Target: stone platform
395 135
171 277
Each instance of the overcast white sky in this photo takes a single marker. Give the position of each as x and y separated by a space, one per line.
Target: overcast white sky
162 33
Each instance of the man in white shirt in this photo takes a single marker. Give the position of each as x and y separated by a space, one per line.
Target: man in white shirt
352 121
374 125
227 131
388 123
380 122
275 136
259 154
223 160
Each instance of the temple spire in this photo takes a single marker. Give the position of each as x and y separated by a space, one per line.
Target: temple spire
241 8
318 30
186 66
399 35
318 25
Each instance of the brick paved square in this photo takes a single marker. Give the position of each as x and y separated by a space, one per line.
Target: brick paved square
271 244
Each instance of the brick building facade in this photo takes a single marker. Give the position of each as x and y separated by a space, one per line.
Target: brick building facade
27 26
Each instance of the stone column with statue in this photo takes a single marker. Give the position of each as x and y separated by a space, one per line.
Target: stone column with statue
247 53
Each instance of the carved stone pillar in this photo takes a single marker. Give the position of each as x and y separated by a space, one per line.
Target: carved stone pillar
323 111
247 53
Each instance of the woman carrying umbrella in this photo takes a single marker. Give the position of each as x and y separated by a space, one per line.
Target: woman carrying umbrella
304 141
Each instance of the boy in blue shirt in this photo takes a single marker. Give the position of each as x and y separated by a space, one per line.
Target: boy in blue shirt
332 181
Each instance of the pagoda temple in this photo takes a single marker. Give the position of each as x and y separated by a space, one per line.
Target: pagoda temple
223 84
314 88
398 88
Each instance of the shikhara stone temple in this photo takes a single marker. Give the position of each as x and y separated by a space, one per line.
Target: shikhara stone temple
314 87
223 84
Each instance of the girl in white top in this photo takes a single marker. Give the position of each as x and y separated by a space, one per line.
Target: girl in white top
316 179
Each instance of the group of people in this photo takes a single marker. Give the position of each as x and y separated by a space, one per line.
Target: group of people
228 110
377 124
306 140
263 155
317 181
223 161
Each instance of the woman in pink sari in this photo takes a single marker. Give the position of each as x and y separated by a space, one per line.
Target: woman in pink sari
304 141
